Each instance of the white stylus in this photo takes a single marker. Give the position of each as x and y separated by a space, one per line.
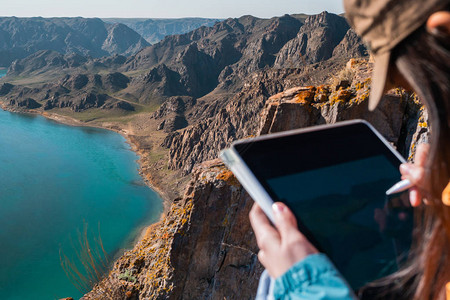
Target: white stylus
399 187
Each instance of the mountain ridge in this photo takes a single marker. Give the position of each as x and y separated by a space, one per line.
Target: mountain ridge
20 37
211 61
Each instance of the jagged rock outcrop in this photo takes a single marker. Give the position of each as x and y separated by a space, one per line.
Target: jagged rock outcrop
181 258
115 82
155 86
351 45
21 37
83 102
172 113
316 41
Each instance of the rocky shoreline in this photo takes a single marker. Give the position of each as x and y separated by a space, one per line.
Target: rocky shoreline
144 170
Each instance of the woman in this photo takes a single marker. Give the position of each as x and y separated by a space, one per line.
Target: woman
410 41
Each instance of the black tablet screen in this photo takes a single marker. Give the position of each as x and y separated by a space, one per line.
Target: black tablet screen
335 182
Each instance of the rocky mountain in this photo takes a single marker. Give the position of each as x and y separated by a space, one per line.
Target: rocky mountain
214 63
242 115
316 41
218 59
154 30
21 37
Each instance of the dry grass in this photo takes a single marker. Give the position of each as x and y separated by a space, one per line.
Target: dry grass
90 264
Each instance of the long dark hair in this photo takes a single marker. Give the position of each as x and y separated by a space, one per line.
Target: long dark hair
423 59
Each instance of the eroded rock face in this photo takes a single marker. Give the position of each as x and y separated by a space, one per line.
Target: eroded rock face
203 249
316 41
252 113
397 117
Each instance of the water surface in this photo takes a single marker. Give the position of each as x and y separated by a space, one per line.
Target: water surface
55 179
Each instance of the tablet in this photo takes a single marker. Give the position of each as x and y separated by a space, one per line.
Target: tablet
334 178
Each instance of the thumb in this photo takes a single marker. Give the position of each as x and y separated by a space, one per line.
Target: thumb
285 221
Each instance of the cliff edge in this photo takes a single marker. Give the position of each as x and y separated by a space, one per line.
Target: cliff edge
203 248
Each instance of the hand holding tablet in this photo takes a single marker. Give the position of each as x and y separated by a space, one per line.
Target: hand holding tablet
334 179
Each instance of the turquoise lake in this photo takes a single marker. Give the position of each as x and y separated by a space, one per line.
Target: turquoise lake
54 181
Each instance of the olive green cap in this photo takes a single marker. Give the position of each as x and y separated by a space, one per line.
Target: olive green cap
383 24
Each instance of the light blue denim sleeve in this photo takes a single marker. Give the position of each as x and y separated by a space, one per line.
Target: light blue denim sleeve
316 278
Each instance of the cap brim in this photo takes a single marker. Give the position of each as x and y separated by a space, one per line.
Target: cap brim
379 78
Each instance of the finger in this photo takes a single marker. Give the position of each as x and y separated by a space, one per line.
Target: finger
440 20
285 222
415 197
262 258
266 235
421 156
415 174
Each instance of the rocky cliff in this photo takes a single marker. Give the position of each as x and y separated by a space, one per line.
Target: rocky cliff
299 107
204 247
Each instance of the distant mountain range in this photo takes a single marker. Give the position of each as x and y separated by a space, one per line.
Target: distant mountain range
199 72
154 30
204 62
21 37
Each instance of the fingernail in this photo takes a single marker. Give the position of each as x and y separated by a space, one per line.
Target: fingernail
278 208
